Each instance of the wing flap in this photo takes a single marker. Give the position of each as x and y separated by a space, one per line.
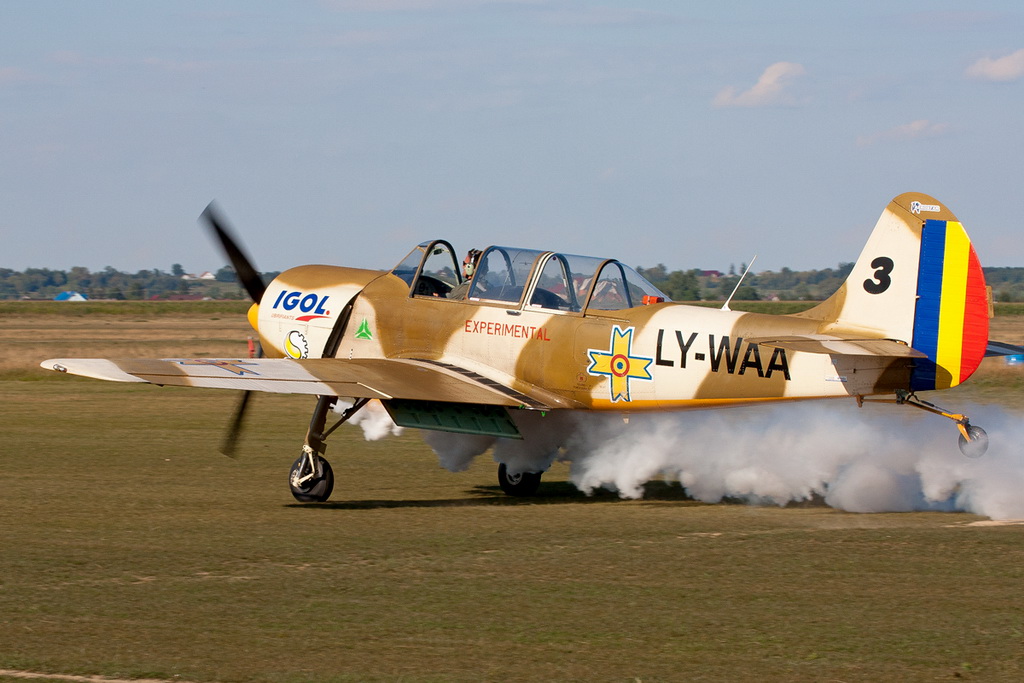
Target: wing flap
839 346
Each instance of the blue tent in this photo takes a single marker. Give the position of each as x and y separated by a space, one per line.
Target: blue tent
70 296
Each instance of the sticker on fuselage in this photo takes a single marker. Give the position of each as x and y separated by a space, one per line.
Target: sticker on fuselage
918 207
364 331
312 305
619 364
296 346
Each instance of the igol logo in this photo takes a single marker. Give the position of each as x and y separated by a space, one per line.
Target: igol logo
313 304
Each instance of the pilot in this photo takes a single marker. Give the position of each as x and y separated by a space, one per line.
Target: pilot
469 265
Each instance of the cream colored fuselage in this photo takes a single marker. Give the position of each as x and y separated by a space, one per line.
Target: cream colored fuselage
655 357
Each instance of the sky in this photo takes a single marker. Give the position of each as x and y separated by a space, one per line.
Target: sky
696 135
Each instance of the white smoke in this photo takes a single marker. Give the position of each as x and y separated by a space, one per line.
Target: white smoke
543 435
373 418
871 459
456 451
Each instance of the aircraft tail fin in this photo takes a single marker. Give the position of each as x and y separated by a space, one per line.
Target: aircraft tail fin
918 281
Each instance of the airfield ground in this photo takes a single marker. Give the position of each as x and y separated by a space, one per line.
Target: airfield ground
130 549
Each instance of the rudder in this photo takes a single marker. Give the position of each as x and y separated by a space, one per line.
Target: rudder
951 319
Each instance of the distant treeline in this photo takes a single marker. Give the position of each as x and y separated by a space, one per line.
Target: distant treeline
792 285
680 285
44 283
785 285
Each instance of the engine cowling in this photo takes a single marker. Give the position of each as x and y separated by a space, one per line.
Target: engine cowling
302 306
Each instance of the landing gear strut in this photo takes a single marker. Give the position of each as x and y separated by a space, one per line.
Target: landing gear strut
311 478
973 440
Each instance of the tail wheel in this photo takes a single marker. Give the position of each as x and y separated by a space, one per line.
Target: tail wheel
523 484
976 446
307 485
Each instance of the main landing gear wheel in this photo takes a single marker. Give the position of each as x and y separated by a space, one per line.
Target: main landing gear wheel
523 485
976 446
311 479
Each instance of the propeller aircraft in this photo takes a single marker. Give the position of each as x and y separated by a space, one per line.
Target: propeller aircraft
534 332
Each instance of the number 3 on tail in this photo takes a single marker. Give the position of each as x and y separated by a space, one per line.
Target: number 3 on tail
884 266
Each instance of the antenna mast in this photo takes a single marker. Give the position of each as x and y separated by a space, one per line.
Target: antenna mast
725 306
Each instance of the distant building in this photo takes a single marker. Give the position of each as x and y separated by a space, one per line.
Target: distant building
70 296
711 273
202 276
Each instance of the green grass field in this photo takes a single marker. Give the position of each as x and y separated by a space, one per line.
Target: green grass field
131 549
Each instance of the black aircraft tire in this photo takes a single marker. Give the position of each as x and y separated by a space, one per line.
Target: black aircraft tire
521 485
976 447
314 490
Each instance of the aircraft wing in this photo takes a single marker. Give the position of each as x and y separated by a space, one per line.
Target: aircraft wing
380 378
840 346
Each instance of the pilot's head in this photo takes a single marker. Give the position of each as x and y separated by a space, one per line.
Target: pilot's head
469 263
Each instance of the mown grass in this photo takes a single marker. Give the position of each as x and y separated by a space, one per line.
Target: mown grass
130 548
28 338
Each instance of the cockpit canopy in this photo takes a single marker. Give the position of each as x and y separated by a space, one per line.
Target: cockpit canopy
526 277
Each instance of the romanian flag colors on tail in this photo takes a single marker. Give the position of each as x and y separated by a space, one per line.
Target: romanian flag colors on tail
951 322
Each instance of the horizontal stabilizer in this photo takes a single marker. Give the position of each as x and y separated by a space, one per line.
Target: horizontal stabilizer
839 346
1003 349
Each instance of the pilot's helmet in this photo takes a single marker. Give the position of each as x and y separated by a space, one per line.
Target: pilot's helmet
469 263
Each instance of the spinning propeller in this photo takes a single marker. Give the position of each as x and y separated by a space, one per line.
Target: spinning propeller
251 281
247 275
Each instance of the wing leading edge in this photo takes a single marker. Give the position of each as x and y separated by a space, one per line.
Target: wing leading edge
410 379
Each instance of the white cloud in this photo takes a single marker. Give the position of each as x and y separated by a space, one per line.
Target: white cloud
1008 68
772 88
922 128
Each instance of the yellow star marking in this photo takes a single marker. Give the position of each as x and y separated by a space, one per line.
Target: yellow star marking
619 364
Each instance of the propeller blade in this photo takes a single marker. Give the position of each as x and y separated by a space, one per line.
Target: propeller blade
229 446
250 279
246 273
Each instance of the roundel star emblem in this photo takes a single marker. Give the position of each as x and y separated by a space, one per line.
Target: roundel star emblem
619 364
